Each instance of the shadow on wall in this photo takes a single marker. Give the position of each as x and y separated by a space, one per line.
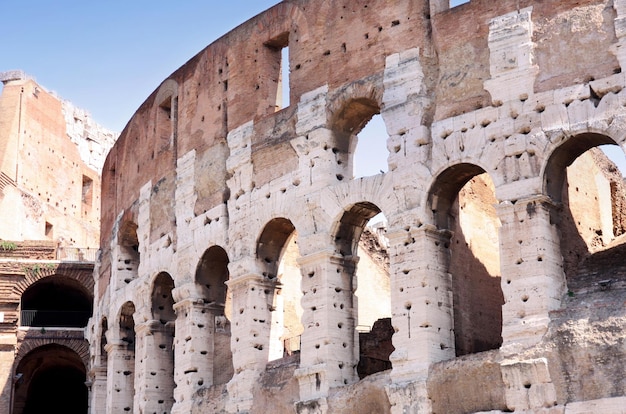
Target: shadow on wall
477 294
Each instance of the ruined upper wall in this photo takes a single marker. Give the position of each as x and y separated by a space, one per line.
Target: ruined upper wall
50 159
234 80
572 42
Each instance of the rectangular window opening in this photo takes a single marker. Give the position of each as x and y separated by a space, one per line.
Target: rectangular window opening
87 190
282 94
279 48
49 234
164 123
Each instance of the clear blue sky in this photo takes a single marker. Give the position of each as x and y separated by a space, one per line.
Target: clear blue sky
107 56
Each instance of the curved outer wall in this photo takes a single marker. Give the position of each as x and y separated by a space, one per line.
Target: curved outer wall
516 89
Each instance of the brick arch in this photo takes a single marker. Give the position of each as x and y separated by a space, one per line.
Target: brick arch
81 275
80 346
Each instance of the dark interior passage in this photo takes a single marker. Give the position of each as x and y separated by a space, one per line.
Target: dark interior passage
52 380
56 302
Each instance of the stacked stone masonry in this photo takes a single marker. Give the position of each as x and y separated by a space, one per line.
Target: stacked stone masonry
51 154
231 279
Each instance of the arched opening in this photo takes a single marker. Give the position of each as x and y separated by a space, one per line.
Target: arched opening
366 264
592 194
463 201
128 253
348 126
212 275
121 390
277 250
51 380
160 382
104 326
56 301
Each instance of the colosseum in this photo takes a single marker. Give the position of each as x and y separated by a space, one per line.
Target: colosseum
237 269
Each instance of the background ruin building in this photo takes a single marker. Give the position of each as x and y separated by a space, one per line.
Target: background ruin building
51 155
230 278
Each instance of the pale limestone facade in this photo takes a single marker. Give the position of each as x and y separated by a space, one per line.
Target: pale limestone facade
210 189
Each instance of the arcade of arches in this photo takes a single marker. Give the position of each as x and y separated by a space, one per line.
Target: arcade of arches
239 272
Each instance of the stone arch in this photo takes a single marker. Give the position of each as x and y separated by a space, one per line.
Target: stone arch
564 155
162 300
156 340
462 201
51 378
126 324
350 226
277 253
589 194
214 319
365 270
349 112
212 274
445 188
104 327
127 255
121 361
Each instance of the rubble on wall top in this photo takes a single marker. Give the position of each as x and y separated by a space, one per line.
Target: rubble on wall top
13 75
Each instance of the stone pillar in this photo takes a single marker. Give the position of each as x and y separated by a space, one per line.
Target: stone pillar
329 343
421 301
252 301
155 376
533 282
98 392
121 377
194 350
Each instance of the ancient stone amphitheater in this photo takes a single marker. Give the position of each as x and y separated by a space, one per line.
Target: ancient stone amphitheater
234 275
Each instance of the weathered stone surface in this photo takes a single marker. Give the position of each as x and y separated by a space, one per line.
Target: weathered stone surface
51 154
496 225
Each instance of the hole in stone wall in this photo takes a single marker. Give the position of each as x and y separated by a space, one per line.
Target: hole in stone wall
278 49
87 193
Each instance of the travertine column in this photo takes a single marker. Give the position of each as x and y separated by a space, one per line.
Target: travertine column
329 346
155 391
194 350
533 282
98 393
121 377
252 301
421 300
